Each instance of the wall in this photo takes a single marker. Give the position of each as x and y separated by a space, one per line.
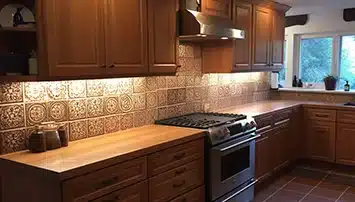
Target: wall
321 20
95 107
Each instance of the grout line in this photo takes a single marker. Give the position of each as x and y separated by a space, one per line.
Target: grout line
283 186
342 194
310 191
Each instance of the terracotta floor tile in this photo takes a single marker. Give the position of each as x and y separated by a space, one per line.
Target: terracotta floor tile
347 198
282 180
351 190
298 187
310 174
286 196
328 190
310 198
341 179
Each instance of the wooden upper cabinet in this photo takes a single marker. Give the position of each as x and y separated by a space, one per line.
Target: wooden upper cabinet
243 19
75 37
321 140
345 141
262 34
126 37
277 40
162 36
221 8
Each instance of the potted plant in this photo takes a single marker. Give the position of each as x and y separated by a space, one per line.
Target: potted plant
330 82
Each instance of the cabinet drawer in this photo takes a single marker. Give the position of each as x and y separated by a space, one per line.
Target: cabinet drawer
105 180
196 195
264 122
346 117
321 114
175 156
282 115
135 193
173 183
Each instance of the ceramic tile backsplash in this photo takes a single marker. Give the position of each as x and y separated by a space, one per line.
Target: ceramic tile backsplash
95 107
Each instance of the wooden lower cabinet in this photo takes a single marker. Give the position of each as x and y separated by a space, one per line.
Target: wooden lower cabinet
135 193
196 195
262 155
321 140
345 144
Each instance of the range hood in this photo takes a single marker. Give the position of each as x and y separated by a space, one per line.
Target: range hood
196 26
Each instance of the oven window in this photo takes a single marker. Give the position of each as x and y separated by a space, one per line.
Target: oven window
235 162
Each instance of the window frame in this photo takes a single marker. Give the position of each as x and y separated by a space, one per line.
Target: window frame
336 56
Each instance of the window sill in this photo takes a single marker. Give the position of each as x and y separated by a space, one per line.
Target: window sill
312 90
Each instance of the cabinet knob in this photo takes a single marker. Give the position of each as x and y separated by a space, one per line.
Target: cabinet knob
102 66
111 66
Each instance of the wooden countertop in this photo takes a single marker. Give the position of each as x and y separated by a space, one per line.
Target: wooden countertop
111 148
264 107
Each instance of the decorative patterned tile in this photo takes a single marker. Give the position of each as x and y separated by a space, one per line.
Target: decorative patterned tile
12 116
176 96
77 109
112 124
57 111
126 103
190 80
96 127
139 101
95 88
78 130
161 82
13 141
35 91
111 86
213 92
127 121
171 82
162 97
111 105
151 116
198 81
181 81
57 90
77 89
125 85
171 111
95 107
162 113
213 79
190 94
180 109
186 50
198 91
36 113
11 92
152 100
152 84
139 118
139 85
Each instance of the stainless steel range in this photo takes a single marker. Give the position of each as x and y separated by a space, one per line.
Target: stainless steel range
230 154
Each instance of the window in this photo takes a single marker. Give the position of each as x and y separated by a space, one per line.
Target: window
323 54
347 61
315 59
282 73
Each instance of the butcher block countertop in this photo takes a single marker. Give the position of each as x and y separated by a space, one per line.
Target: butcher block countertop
109 149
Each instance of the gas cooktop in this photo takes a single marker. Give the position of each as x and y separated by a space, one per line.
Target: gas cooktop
202 120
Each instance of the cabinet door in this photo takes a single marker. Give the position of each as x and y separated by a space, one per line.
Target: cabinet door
262 155
277 40
126 37
75 37
321 140
280 145
221 8
262 37
345 141
162 36
243 19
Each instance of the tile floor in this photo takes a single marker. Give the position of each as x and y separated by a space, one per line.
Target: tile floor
309 184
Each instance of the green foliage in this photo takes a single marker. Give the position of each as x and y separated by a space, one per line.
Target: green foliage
316 58
330 78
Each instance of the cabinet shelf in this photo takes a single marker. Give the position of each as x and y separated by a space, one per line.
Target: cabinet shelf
17 29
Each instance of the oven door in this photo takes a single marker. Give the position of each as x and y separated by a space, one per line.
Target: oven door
231 165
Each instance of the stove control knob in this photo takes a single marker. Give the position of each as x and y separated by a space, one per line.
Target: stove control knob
247 126
253 124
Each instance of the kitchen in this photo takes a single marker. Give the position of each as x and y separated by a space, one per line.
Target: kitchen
174 108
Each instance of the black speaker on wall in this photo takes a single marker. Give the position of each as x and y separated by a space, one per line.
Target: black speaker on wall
349 14
296 20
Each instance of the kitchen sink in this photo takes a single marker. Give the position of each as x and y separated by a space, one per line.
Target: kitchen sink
350 104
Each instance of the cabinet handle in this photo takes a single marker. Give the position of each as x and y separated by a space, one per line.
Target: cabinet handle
179 172
180 156
108 182
102 66
112 66
321 115
320 131
179 184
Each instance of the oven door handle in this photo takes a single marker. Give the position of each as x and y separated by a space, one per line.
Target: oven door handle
239 143
240 191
